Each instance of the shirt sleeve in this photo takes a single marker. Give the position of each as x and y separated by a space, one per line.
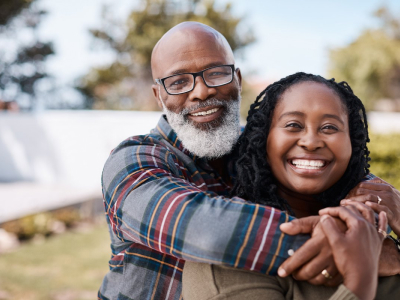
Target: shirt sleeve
343 293
148 200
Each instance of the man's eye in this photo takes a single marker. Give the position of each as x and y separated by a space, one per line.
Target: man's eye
219 74
178 82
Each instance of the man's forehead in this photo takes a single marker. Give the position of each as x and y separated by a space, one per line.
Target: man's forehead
190 48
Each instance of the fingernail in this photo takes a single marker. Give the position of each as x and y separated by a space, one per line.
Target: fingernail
324 217
282 272
285 225
368 203
343 202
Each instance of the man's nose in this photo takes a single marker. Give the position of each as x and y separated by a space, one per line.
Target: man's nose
311 140
201 91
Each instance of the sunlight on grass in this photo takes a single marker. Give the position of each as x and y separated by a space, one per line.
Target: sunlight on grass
65 267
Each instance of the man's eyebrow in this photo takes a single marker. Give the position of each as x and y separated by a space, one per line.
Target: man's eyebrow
299 113
210 65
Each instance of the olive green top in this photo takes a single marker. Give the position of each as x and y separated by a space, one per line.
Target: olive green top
204 281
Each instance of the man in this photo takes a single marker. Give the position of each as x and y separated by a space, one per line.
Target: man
167 193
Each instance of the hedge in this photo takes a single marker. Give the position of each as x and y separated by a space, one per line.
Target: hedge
385 157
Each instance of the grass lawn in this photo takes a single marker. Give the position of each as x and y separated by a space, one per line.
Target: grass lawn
64 267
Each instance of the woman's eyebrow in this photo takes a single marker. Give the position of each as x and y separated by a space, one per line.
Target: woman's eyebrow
291 113
333 117
301 114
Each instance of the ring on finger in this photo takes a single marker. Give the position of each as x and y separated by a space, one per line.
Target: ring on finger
381 231
379 200
326 274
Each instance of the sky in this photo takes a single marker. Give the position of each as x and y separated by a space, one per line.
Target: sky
291 35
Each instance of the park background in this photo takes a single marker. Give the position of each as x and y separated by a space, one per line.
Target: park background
75 81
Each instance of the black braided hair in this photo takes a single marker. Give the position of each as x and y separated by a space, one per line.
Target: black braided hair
255 181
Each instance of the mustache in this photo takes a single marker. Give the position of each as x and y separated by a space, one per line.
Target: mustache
206 103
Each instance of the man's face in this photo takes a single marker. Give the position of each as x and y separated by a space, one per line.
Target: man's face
204 118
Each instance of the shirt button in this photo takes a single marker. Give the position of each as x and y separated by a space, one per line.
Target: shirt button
290 252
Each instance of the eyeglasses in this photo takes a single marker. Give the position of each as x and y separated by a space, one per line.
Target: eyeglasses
184 82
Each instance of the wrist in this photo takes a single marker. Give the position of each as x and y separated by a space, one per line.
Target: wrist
362 285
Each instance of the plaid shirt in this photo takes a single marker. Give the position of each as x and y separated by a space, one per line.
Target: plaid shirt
164 206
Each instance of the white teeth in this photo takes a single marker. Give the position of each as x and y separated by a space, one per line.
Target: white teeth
308 164
204 113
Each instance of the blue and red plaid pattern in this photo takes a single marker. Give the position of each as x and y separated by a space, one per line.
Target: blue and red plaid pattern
164 206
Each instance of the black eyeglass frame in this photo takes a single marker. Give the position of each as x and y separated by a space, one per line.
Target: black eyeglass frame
161 80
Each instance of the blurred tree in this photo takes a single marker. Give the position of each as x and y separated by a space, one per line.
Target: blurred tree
371 64
21 64
125 83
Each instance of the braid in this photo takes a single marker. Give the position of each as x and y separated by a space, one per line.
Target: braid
255 181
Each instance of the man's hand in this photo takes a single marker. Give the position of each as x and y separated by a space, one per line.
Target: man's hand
389 260
314 256
368 192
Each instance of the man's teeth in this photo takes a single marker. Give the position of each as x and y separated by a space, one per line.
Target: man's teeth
308 164
204 113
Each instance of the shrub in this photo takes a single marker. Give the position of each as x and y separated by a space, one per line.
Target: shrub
385 157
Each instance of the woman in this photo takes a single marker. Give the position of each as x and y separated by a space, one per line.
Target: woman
303 149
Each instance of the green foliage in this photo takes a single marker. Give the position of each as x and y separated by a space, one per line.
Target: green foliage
21 69
385 157
27 227
371 64
126 82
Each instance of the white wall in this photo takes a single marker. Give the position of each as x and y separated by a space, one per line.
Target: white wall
55 158
64 146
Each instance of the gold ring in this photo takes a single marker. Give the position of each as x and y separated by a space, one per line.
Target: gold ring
383 232
379 200
326 274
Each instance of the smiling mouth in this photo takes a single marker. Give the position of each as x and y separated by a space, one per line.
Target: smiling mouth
205 113
308 164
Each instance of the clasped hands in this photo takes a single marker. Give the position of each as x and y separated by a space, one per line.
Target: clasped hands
314 261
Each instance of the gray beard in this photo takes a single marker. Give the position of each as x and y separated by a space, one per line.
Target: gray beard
215 139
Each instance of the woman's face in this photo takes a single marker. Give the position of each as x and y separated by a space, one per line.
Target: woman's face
309 146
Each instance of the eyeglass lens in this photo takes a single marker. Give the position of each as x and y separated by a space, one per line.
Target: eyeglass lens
185 82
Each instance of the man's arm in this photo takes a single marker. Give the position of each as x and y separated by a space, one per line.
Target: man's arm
149 201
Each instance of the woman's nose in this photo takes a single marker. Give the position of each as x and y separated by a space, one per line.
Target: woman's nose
311 141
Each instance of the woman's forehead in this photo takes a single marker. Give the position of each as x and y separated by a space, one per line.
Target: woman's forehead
309 95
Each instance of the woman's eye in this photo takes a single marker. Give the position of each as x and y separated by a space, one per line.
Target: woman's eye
293 126
329 128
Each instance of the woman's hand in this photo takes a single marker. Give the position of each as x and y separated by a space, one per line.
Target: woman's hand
389 262
314 256
368 192
356 251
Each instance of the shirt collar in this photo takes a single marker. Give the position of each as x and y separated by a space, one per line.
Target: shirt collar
165 130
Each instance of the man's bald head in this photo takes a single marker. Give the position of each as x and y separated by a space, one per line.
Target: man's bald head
187 38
